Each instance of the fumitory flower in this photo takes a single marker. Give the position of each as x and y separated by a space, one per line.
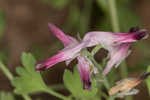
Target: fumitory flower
117 44
84 70
71 50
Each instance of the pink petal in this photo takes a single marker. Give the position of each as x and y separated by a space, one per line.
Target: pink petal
65 39
131 36
67 62
63 55
84 70
97 37
117 55
51 61
112 39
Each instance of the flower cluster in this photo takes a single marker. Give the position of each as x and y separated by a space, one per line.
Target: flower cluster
117 45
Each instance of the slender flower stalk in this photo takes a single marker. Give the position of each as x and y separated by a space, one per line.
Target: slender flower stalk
115 25
96 49
6 71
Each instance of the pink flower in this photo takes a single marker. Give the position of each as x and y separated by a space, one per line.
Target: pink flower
84 70
108 39
116 43
116 55
71 51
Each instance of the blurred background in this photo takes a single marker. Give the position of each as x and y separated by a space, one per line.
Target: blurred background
23 27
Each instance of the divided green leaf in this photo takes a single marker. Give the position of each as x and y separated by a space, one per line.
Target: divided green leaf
29 80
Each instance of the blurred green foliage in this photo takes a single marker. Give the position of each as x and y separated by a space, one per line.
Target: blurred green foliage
2 22
103 4
6 96
73 19
4 55
127 17
58 4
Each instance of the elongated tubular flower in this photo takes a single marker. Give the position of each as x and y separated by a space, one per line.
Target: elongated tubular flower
112 39
71 51
65 39
84 70
116 43
118 53
63 55
116 56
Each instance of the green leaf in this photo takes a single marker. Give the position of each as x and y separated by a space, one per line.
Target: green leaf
28 62
148 80
29 80
73 83
6 96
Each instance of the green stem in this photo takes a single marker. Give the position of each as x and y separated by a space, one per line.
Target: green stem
115 26
90 56
6 71
113 15
114 20
96 49
106 83
10 77
60 96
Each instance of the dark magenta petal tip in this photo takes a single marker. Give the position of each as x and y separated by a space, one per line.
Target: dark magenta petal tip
141 34
134 29
87 85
